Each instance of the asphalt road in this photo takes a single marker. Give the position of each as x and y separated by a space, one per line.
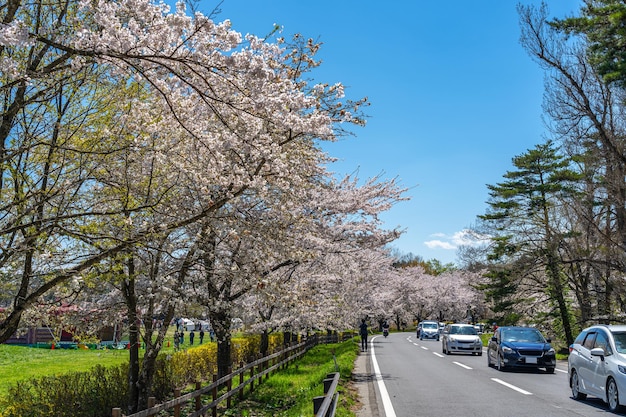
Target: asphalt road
405 377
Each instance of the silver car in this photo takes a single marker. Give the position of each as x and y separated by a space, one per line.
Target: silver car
597 365
459 337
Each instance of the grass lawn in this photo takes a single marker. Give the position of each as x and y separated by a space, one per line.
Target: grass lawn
18 362
290 392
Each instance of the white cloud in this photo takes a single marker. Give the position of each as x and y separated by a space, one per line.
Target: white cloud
469 238
433 244
464 237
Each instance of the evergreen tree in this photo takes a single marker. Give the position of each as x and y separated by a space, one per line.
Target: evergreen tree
522 209
603 24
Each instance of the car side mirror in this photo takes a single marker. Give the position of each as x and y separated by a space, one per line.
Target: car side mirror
597 352
494 339
549 340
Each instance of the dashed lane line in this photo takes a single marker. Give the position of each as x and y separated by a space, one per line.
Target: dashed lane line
462 365
513 387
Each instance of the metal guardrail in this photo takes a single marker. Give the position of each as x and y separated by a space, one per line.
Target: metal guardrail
326 405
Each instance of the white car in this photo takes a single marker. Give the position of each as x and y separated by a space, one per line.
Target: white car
429 330
597 365
458 337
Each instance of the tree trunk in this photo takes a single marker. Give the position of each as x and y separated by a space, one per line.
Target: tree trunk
558 295
148 365
265 342
221 322
134 401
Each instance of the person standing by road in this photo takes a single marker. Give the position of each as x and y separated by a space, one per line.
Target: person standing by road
363 334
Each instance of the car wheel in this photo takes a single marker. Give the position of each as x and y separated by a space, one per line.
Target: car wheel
550 369
612 396
489 360
480 353
500 363
437 338
575 384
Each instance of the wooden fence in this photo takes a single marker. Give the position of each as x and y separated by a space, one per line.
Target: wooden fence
257 370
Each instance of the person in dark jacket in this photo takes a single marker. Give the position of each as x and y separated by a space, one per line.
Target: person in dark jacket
363 334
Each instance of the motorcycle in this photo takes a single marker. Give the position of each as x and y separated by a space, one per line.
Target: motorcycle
385 332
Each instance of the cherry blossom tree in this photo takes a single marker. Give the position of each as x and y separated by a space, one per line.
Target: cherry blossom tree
205 93
181 116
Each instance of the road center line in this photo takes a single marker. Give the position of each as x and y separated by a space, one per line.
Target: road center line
424 347
384 395
462 365
438 354
513 387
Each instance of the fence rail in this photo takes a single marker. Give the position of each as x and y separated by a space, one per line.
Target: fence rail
326 405
256 369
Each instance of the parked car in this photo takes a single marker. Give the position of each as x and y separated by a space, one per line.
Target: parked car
520 347
459 337
597 365
429 330
480 328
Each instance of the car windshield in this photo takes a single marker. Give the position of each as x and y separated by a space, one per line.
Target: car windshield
620 342
429 326
462 330
522 335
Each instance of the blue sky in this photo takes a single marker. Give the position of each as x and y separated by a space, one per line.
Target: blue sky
453 98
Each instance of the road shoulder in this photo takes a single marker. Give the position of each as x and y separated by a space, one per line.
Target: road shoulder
364 381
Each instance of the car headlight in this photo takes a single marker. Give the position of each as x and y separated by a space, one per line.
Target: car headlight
551 351
507 349
621 368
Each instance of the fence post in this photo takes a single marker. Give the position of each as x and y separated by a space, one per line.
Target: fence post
117 412
215 395
252 378
198 398
229 386
241 381
317 403
151 403
177 406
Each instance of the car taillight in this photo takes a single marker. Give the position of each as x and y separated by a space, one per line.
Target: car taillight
571 348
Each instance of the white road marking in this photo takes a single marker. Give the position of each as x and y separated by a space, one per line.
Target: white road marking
424 347
384 395
560 370
438 354
462 365
415 344
513 387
